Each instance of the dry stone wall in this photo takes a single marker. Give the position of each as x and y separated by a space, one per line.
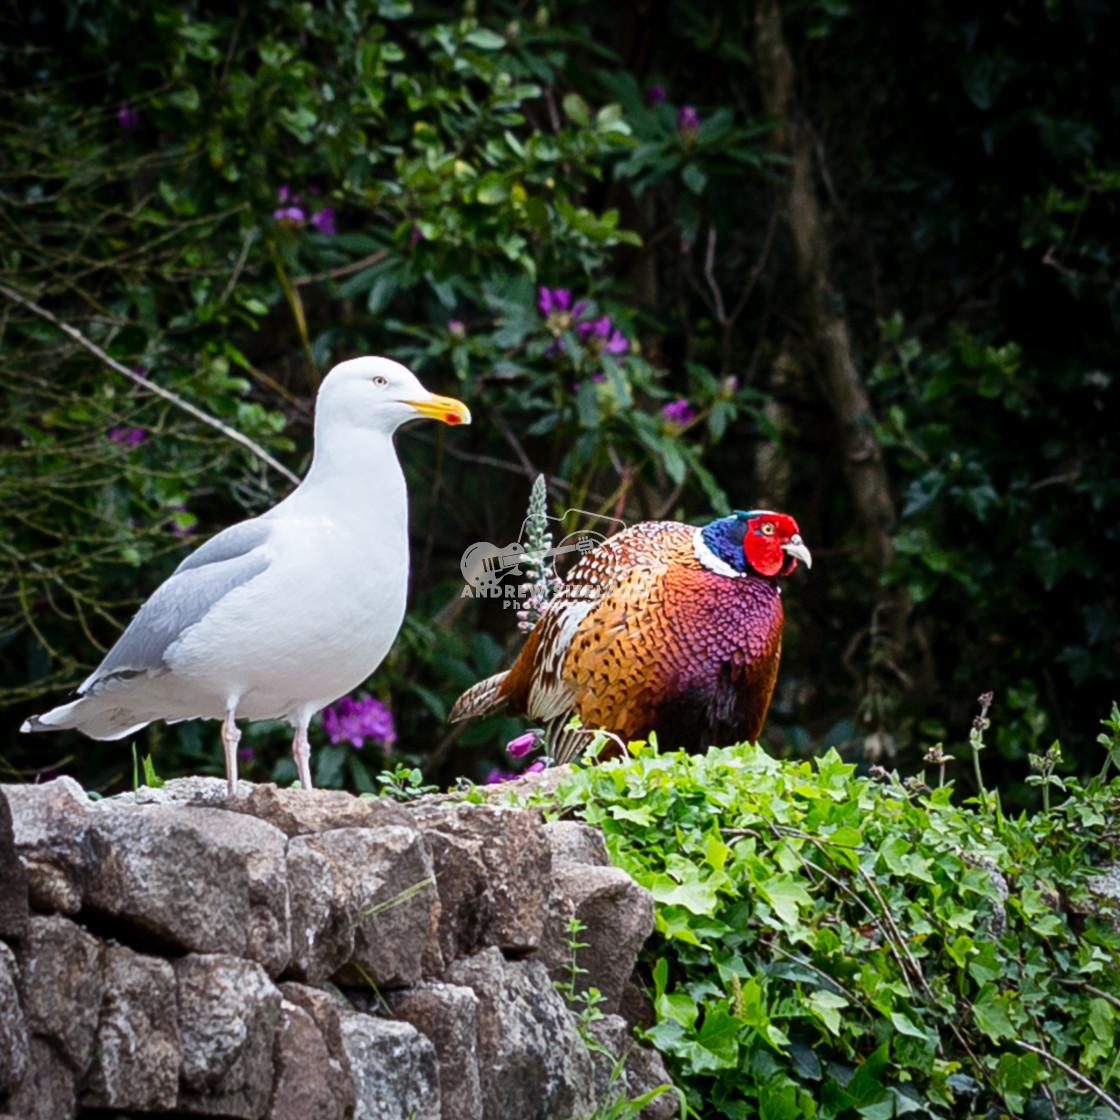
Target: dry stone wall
297 956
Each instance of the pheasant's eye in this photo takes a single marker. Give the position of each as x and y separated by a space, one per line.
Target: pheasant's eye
380 381
767 528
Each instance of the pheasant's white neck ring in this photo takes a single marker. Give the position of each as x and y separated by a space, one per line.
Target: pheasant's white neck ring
709 559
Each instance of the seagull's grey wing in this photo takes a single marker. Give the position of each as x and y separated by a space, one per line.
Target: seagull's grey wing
232 558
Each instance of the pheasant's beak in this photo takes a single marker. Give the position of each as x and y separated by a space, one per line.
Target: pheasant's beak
796 547
447 409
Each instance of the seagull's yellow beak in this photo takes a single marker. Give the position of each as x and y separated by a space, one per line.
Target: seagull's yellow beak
447 409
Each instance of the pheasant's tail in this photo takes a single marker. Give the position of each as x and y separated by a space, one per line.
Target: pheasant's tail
566 745
480 699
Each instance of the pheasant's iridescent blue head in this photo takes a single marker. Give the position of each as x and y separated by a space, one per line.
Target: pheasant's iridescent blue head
760 540
772 542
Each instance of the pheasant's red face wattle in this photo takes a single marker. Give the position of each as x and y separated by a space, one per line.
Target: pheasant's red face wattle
772 544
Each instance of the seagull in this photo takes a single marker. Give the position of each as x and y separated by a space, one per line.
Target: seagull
278 616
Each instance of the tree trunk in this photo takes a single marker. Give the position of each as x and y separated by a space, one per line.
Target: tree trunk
830 344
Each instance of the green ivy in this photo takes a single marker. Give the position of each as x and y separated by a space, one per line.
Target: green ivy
834 945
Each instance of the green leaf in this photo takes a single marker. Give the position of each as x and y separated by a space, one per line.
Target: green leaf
1016 1075
694 895
485 40
785 894
719 1037
826 1006
492 189
892 853
151 778
694 178
990 1010
576 109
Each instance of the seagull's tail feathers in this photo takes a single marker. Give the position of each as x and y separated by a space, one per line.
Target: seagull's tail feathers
92 715
480 699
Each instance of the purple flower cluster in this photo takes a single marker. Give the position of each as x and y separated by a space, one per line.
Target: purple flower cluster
128 118
655 95
291 212
599 335
678 413
127 437
556 303
358 719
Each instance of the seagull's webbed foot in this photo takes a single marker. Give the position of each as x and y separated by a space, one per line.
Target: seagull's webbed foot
301 752
230 738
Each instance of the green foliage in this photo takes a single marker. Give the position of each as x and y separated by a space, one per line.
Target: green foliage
169 207
469 156
834 945
402 783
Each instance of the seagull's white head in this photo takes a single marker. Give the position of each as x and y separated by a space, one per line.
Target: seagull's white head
378 394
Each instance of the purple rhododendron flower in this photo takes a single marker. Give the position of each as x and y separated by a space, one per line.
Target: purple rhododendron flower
523 744
495 776
551 300
536 767
127 437
128 118
595 328
358 719
289 215
678 412
245 754
323 221
688 122
285 194
655 95
599 334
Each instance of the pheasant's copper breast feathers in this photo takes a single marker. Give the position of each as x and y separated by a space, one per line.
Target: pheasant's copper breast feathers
653 631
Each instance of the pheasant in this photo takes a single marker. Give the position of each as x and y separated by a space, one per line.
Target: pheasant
664 627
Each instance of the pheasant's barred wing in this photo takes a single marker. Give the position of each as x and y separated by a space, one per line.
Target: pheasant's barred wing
592 610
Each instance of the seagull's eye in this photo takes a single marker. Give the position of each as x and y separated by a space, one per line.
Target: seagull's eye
380 381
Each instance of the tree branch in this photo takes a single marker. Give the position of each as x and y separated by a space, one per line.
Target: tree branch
1069 1071
151 386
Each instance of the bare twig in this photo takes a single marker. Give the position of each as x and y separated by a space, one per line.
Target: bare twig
502 425
342 270
246 244
709 275
1069 1071
151 386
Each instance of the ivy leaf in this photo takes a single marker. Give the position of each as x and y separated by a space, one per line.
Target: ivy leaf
990 1012
719 1036
826 1006
1015 1075
785 894
694 895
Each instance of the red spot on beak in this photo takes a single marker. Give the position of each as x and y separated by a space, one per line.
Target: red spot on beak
452 418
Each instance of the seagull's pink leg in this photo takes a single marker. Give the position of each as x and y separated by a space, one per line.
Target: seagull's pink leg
230 738
301 752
